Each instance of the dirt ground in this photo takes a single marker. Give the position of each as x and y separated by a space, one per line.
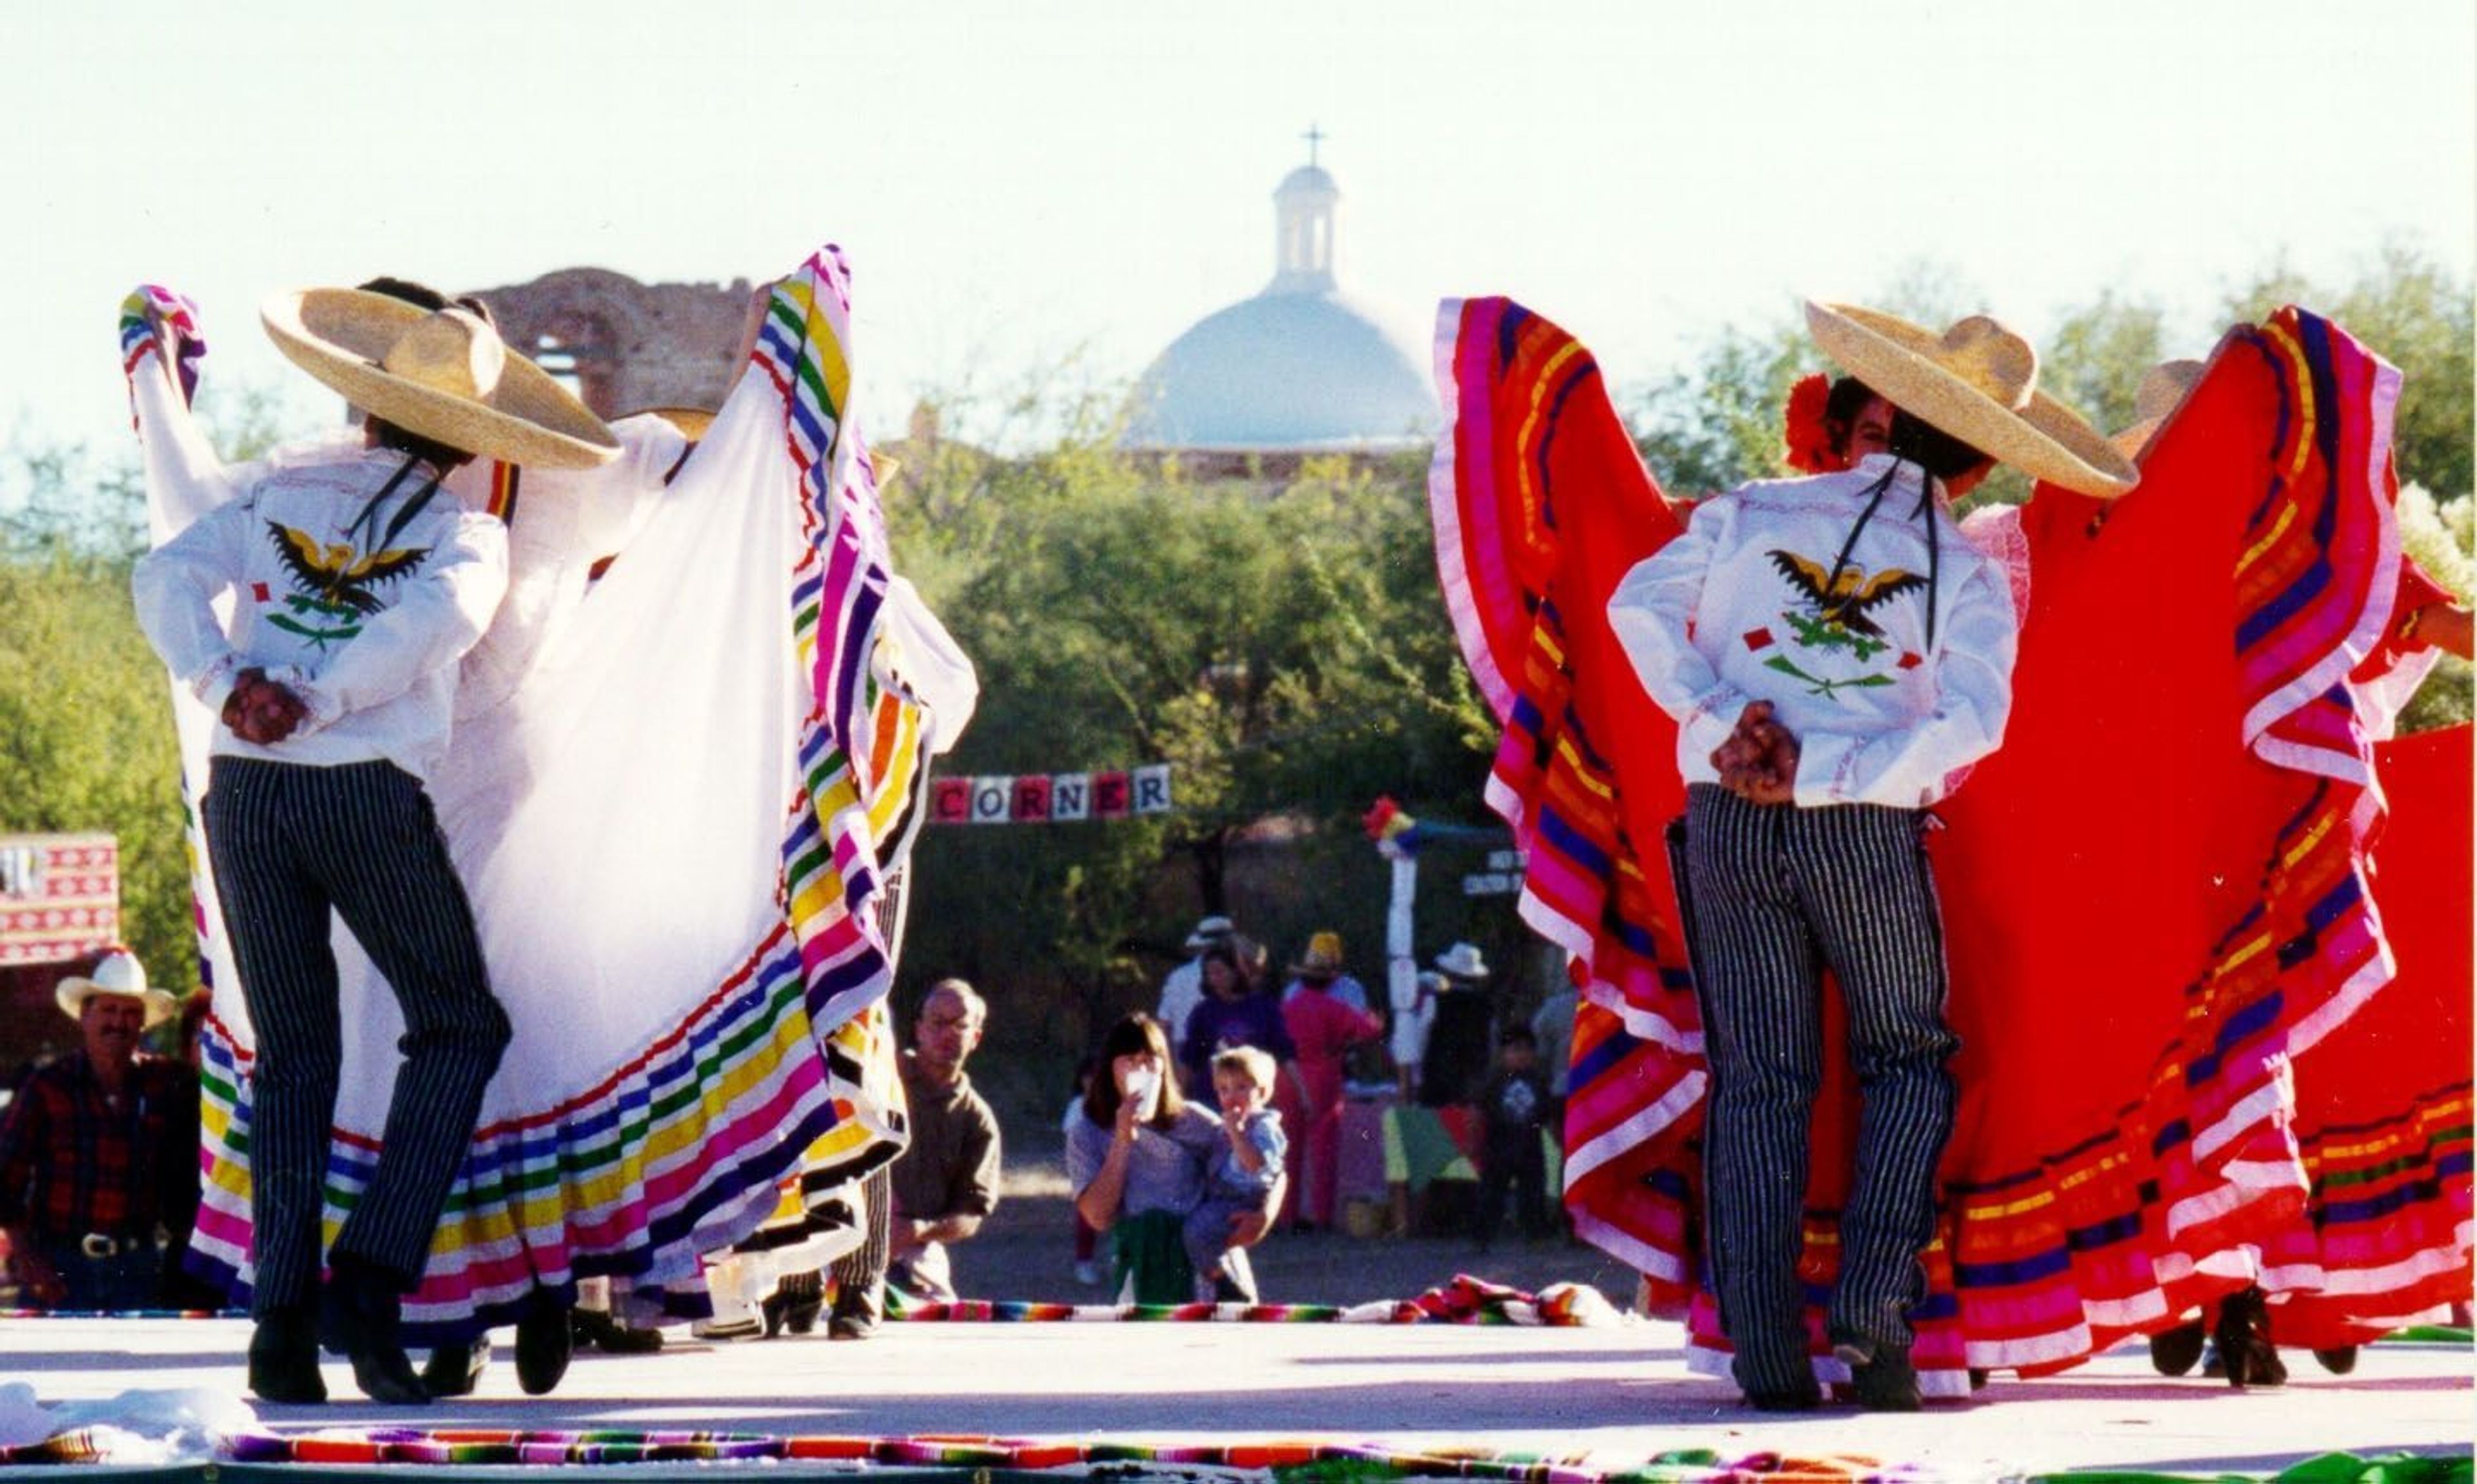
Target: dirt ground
1026 1252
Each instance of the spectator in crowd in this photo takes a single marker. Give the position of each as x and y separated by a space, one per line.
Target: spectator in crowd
1513 1107
1323 1029
1339 984
1234 1013
1136 1161
1244 1175
1183 990
945 1182
1458 1035
99 1152
937 1190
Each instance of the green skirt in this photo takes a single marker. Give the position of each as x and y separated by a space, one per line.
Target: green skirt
1149 1250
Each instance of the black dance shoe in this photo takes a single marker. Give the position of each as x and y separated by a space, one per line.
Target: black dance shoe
2242 1334
455 1369
284 1358
1880 1375
545 1343
361 1318
2174 1352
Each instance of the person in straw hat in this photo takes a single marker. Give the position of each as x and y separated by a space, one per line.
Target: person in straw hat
354 587
1323 1025
98 1181
1834 651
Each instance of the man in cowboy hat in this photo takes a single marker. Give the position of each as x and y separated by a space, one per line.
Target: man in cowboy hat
355 586
1835 654
99 1152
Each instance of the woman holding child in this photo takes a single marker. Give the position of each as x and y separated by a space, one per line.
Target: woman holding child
1139 1161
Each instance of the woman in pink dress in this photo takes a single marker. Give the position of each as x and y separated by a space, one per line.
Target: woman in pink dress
1324 1028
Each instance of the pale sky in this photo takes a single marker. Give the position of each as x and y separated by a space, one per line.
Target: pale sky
1017 181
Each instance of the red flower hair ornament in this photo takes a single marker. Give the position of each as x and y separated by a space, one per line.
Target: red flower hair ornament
1803 429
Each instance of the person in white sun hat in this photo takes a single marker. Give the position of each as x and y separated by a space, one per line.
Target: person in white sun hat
353 584
1835 653
99 1151
1184 988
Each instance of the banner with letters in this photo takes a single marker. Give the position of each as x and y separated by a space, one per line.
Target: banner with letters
1050 797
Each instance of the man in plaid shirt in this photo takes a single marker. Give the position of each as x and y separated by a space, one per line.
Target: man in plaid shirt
99 1153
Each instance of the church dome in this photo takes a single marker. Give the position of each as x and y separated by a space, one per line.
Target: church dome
1299 368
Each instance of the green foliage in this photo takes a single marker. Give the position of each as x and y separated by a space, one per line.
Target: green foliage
2095 361
1716 424
2437 536
86 740
1280 642
53 503
86 717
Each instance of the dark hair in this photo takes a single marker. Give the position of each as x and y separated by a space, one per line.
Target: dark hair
404 440
1517 1034
1933 449
423 296
1841 408
1227 954
1134 1034
443 457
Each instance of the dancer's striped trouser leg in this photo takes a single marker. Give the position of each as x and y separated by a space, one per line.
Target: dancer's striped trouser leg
859 1275
287 842
1777 892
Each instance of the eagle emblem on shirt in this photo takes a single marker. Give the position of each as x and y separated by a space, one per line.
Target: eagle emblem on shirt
337 577
1841 598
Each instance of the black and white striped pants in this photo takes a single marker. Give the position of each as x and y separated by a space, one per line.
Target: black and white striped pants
859 1275
288 844
1775 894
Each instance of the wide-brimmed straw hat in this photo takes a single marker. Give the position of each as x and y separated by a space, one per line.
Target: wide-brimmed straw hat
1978 382
1463 961
1323 959
119 973
444 375
2164 387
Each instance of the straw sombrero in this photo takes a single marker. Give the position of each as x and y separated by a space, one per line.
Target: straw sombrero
444 375
119 972
2162 391
1978 382
1324 958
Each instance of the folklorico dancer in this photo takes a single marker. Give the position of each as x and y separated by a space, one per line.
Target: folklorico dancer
2156 893
764 693
1833 651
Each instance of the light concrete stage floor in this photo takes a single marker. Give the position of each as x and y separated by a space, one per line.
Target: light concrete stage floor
1619 1390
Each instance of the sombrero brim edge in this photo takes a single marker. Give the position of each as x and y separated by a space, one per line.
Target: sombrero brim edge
528 419
2046 439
